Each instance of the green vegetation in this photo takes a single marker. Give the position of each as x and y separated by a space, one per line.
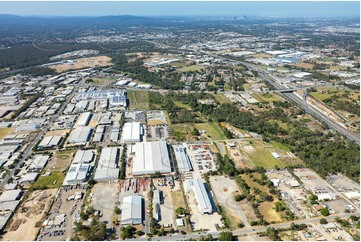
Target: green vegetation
128 232
190 68
262 157
226 236
212 129
123 162
46 182
323 221
138 100
222 98
180 211
325 212
96 231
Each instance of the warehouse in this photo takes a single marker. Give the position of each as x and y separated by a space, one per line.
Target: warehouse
98 136
114 133
132 132
29 177
184 164
81 106
84 119
83 156
10 195
80 135
69 108
132 210
38 162
151 157
108 165
201 194
80 169
49 141
77 174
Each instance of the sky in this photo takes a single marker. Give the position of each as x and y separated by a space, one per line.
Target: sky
169 8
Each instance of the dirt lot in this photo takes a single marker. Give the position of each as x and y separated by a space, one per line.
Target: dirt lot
239 158
225 189
105 199
60 161
30 213
166 208
84 63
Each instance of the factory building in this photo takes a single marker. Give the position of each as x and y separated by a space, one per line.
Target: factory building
132 132
80 168
108 165
83 119
38 162
201 194
151 157
132 210
183 161
49 142
80 135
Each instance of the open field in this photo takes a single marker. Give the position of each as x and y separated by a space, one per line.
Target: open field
327 92
266 97
53 181
213 130
138 100
305 65
60 161
30 215
182 131
178 64
261 55
190 68
262 157
182 105
177 199
221 98
240 160
101 81
5 131
60 132
83 63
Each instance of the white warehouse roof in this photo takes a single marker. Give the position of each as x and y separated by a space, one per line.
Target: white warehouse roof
151 157
131 132
184 164
39 162
132 210
83 120
200 192
50 141
108 168
10 195
80 135
77 173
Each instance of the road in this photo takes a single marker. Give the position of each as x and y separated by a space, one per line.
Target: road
298 101
247 231
28 150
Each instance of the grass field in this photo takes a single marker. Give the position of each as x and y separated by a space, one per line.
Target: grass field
182 105
326 92
138 100
262 157
221 98
266 97
280 146
182 131
213 130
53 181
179 64
5 131
190 68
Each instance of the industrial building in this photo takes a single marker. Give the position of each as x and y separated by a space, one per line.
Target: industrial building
132 210
132 132
108 165
80 168
183 161
80 135
117 97
114 133
201 194
10 195
151 157
98 136
29 177
49 142
83 156
83 119
38 162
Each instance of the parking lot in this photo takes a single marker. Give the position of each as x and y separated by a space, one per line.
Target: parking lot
158 132
59 225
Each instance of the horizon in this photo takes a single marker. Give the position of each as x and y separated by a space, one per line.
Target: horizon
276 9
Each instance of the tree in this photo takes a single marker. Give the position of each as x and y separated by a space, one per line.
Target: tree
225 236
117 210
239 198
323 221
325 212
180 211
195 131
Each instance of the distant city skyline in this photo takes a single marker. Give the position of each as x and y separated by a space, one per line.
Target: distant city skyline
169 8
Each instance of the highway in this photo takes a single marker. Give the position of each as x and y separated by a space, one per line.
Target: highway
298 101
246 231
